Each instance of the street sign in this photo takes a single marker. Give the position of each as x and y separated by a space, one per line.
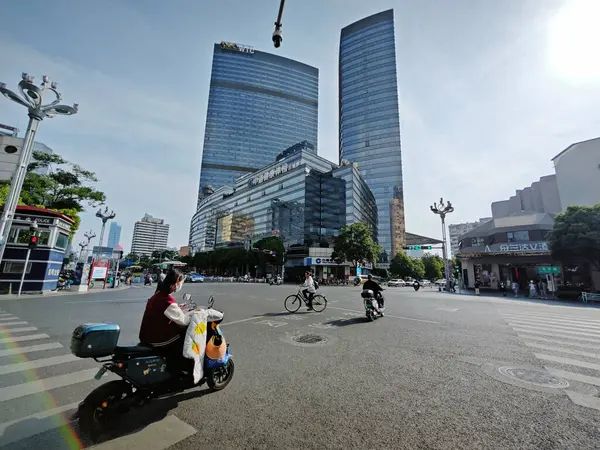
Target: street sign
417 247
549 269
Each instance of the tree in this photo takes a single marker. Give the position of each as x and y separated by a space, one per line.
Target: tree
164 255
418 268
576 235
402 265
433 265
356 245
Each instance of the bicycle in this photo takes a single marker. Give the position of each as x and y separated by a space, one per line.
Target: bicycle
293 302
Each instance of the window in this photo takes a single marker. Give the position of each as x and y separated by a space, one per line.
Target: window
477 242
16 267
23 236
62 240
518 236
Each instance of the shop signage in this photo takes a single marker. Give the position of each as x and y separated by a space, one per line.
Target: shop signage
236 47
549 269
530 247
269 174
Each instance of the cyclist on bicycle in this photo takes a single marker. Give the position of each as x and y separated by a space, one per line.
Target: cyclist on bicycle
377 290
310 290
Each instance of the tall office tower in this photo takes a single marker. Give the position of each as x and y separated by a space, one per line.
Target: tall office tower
369 122
258 105
149 234
114 235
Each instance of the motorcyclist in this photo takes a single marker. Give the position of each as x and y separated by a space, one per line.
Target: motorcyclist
377 290
310 290
164 323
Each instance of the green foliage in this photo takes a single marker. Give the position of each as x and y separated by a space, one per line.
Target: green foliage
401 265
4 189
434 266
576 235
418 268
67 186
164 255
383 273
355 244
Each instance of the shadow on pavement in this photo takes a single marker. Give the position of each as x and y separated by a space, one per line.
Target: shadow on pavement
129 423
346 322
282 313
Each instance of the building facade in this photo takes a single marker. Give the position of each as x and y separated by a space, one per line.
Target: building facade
541 197
369 122
578 174
10 152
149 234
114 235
258 103
302 198
455 231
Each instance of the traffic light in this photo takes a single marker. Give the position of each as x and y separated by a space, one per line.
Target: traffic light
121 254
33 241
417 247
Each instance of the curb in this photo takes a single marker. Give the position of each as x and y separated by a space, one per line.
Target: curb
38 295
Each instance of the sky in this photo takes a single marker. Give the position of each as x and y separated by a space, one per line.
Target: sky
489 91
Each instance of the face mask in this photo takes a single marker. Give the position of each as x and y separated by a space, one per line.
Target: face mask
178 287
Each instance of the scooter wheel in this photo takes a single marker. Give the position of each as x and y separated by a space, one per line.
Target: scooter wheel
218 379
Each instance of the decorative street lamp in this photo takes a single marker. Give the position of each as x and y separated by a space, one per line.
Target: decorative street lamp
442 211
31 97
83 245
89 235
105 217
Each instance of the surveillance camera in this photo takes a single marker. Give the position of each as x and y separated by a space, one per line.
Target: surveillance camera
277 38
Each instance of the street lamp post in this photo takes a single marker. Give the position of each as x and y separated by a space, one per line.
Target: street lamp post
105 217
89 235
277 35
82 245
31 97
442 211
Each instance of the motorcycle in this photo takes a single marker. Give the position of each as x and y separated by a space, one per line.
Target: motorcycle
416 285
276 282
64 284
143 371
356 281
372 309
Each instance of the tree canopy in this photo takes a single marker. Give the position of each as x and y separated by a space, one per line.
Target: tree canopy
576 235
402 265
355 244
434 266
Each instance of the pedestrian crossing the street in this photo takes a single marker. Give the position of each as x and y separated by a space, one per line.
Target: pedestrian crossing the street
567 344
41 385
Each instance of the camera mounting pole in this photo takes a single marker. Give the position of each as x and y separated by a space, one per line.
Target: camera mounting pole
277 35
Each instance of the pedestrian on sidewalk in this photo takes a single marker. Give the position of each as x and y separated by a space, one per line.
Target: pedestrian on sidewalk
477 285
543 289
532 289
515 287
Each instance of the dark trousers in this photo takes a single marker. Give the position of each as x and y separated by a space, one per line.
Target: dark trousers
176 362
380 299
309 296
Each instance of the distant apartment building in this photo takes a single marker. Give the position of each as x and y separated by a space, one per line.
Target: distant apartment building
457 230
149 234
114 235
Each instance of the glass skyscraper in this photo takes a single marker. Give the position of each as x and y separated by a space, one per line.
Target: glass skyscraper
258 104
369 122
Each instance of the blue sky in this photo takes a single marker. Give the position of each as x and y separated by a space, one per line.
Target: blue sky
489 91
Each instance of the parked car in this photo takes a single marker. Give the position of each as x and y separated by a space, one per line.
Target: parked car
425 283
194 278
395 283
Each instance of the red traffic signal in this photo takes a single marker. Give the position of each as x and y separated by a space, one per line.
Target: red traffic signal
33 242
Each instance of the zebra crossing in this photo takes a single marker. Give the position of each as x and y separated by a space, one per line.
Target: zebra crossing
566 343
41 385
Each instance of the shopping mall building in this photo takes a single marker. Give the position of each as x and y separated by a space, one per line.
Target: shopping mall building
300 197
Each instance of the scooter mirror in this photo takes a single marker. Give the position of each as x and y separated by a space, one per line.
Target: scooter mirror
187 297
211 301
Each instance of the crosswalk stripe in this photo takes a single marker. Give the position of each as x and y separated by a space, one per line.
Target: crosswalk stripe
568 331
589 401
554 334
21 322
19 330
522 323
32 348
563 350
6 315
31 337
45 384
556 341
2 319
555 316
156 436
554 322
22 428
574 376
569 361
37 363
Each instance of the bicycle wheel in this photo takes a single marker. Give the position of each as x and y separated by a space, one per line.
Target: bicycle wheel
319 303
292 303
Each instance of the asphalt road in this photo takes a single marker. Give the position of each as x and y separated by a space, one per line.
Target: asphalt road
439 371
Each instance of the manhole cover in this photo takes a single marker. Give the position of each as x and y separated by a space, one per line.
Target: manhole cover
536 377
309 339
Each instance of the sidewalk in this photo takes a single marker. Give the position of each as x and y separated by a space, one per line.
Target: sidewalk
72 291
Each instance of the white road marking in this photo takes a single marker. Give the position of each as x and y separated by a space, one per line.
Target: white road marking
563 350
20 322
45 384
589 401
239 321
447 309
561 342
32 348
580 319
574 376
26 427
562 328
156 436
565 333
387 315
568 361
556 322
37 363
8 318
18 330
5 315
32 337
